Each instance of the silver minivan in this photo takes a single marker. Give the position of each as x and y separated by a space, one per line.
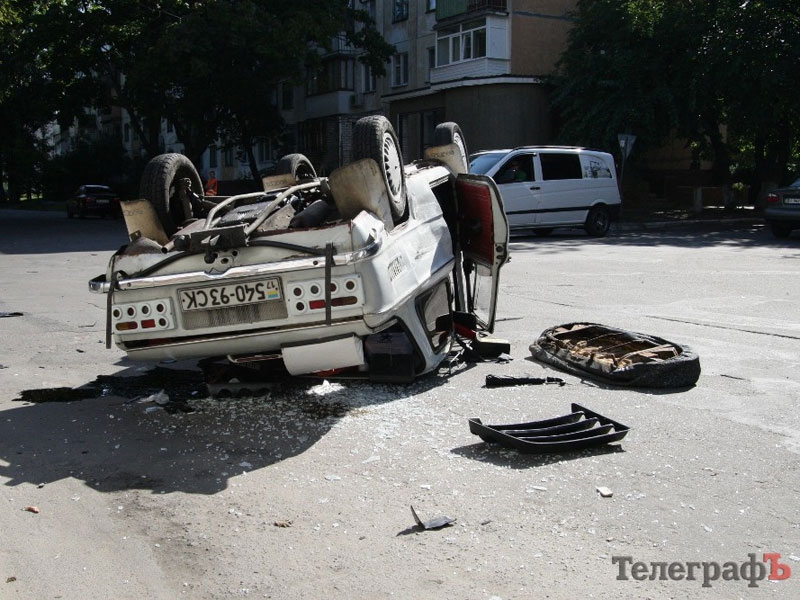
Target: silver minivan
544 187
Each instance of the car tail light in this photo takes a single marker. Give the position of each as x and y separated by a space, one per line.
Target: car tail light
773 198
309 295
340 301
155 315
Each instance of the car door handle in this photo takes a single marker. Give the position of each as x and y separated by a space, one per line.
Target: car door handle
535 187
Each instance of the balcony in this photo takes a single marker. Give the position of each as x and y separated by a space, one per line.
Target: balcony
451 8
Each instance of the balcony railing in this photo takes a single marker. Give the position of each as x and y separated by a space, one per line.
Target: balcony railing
451 8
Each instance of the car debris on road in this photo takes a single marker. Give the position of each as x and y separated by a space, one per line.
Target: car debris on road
582 428
616 356
493 381
431 524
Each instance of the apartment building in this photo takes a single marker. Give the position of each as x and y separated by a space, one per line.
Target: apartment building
481 63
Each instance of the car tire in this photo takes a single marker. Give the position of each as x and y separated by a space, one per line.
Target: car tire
374 137
159 186
780 230
543 232
598 221
450 133
298 166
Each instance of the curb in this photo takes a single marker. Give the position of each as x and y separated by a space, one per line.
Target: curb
657 225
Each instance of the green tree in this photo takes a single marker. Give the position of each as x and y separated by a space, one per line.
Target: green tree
221 64
26 100
209 66
718 73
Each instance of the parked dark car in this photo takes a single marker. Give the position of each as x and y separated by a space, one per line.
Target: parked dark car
782 211
98 200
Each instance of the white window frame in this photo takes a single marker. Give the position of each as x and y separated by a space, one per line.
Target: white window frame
368 80
400 69
460 46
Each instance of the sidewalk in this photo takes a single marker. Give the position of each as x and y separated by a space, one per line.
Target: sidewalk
660 215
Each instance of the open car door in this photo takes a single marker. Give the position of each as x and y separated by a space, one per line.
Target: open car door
483 241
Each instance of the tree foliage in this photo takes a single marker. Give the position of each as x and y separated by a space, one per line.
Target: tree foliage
211 67
718 73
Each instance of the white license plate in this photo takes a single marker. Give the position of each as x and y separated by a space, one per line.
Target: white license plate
232 294
102 201
791 200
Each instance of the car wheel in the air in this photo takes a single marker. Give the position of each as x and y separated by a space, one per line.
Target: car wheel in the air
450 133
161 183
374 137
298 166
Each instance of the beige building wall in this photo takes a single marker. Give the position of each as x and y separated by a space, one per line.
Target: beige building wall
539 30
500 115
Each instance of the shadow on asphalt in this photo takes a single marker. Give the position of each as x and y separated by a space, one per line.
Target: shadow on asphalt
118 438
49 232
721 234
505 457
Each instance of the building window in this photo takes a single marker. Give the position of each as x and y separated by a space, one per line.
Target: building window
228 157
127 130
430 5
430 119
169 126
464 42
431 61
287 96
334 75
399 10
212 156
400 69
369 79
262 151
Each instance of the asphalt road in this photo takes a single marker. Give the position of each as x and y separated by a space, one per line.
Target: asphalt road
304 491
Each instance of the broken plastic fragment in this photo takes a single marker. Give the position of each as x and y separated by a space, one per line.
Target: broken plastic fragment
604 492
435 523
161 398
509 380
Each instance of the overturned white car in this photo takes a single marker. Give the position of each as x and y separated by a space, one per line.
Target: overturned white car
370 269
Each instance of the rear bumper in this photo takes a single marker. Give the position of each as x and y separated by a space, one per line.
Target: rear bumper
271 337
779 214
